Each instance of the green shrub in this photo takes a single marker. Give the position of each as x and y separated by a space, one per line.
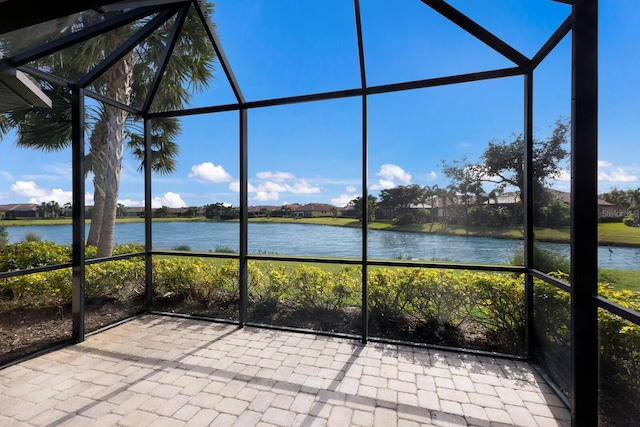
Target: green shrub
499 303
388 295
196 279
313 287
443 296
545 261
119 280
128 248
23 255
32 236
39 289
269 282
631 220
4 237
406 219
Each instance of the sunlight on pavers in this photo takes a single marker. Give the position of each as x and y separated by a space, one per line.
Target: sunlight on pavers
158 370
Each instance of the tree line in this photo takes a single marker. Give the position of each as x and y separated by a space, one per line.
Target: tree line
467 199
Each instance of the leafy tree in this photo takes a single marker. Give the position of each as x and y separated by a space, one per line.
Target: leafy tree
625 199
265 212
50 210
286 210
431 192
502 164
189 70
556 213
213 210
161 212
401 197
192 211
357 205
121 210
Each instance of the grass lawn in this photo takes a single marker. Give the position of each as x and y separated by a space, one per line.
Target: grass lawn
622 279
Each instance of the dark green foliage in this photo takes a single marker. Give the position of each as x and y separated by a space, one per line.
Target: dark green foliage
545 261
4 237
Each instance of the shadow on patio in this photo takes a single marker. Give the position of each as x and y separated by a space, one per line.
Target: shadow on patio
157 370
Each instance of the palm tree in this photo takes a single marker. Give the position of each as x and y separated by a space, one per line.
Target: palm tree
431 192
128 81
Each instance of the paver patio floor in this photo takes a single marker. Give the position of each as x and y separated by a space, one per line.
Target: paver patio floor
165 371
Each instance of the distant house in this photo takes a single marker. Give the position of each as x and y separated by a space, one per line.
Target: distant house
19 210
134 212
605 209
264 210
314 210
348 212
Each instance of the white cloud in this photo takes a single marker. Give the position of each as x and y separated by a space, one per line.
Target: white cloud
28 189
351 189
564 176
383 184
6 175
266 196
604 164
131 203
210 172
394 173
432 176
391 176
343 199
617 175
275 185
303 187
235 187
464 144
277 176
172 200
614 174
37 194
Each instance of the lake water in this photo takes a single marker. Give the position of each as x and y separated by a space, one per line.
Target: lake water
327 241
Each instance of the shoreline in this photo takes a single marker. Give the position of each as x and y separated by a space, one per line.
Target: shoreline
544 234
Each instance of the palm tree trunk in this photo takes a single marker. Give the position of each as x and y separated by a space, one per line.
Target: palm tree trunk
118 87
98 142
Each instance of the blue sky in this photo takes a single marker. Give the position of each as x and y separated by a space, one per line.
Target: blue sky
311 152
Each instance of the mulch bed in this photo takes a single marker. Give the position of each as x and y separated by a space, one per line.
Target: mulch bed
24 331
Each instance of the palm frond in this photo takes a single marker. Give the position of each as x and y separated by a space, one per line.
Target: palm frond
46 129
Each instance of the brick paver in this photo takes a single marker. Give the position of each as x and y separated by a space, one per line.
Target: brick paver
162 371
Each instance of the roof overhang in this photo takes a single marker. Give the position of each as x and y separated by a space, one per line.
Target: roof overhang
18 91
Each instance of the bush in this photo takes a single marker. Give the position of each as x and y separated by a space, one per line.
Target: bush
4 237
39 289
118 280
223 250
24 255
313 287
545 261
499 304
631 220
406 219
440 295
388 294
32 236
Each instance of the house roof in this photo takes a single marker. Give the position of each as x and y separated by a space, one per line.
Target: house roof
19 207
315 207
